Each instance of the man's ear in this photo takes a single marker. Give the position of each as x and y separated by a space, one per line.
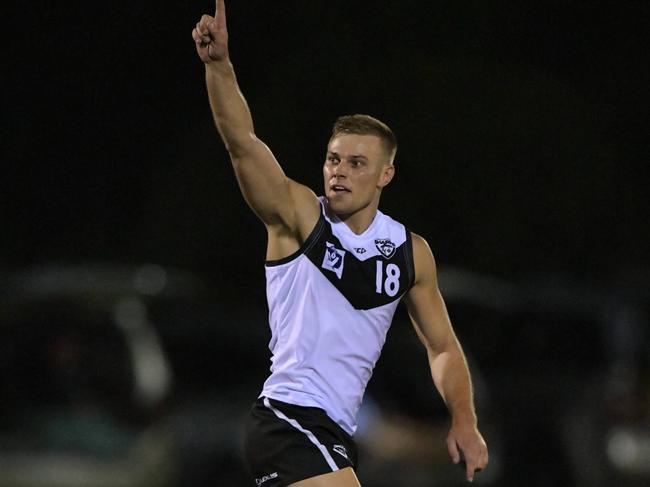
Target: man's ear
387 173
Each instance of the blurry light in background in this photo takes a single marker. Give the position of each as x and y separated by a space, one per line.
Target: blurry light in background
629 450
150 279
152 373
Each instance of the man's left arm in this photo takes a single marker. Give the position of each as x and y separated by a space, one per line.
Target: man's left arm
449 369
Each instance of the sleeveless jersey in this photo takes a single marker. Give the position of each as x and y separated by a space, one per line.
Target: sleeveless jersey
330 306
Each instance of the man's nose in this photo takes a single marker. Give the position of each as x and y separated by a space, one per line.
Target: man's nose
340 171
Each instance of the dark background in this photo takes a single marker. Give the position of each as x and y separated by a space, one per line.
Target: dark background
523 128
523 135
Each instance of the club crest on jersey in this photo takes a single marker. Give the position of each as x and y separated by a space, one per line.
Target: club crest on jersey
385 246
333 260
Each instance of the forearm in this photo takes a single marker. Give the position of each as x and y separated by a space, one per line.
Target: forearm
446 359
229 108
452 379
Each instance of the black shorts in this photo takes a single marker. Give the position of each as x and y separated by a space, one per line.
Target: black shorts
285 443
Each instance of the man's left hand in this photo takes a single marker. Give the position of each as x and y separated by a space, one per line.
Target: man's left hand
466 443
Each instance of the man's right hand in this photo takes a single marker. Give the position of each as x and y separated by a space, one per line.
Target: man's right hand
211 36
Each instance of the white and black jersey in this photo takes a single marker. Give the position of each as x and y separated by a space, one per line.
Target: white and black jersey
330 306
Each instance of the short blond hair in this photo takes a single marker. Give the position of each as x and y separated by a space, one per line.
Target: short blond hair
366 125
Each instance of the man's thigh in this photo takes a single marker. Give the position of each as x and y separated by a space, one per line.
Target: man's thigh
341 478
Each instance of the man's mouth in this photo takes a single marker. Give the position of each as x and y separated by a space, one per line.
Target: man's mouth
338 188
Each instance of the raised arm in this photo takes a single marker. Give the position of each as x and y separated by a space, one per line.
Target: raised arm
446 359
281 203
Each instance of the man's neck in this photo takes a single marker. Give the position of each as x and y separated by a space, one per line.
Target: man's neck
360 220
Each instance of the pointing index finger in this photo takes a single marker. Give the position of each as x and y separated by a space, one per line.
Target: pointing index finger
470 471
220 14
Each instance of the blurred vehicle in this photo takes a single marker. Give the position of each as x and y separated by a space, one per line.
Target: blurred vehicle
112 376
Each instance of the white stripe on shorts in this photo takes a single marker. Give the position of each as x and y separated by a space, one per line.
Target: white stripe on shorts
328 458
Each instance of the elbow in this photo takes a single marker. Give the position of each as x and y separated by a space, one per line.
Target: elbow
241 146
447 348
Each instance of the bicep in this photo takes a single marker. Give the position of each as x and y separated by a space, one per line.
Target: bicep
430 319
275 198
425 304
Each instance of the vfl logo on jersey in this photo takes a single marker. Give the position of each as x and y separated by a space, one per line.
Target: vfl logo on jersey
333 260
385 246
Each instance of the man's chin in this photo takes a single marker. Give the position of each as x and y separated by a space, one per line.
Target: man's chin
339 207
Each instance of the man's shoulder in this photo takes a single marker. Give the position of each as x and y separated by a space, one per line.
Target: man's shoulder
419 241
